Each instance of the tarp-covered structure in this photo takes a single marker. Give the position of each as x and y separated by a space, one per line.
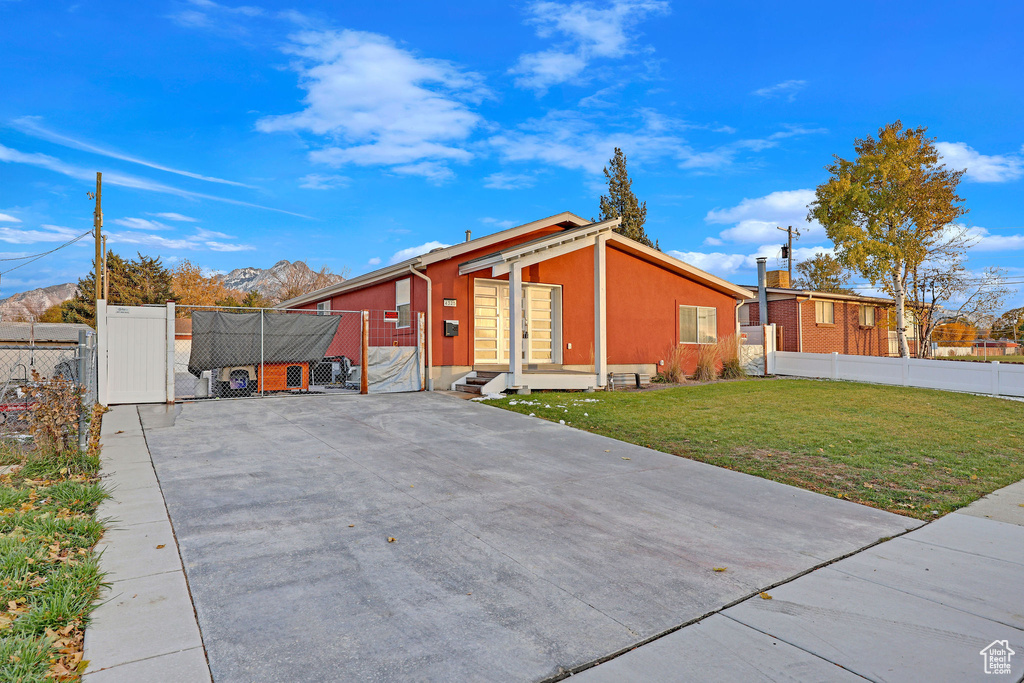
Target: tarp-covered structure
222 339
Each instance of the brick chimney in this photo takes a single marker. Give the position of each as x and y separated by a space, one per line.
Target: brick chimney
778 278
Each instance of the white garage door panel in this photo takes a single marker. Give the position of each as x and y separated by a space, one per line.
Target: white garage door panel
136 354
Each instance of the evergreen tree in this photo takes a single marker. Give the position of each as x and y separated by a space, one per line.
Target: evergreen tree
141 281
620 201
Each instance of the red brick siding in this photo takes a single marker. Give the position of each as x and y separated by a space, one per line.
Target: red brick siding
844 336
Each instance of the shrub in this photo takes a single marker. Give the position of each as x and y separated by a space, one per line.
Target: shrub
672 372
707 363
53 419
729 352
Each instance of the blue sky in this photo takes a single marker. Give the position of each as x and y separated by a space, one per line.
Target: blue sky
353 134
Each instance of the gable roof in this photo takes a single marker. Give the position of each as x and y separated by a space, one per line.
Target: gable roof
573 227
566 219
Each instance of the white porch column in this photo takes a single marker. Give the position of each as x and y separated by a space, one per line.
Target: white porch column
515 333
600 311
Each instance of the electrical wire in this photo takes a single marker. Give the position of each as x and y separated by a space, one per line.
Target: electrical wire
36 257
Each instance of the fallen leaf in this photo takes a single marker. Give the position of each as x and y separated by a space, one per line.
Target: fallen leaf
607 450
718 569
161 546
119 431
391 539
764 596
974 476
351 525
624 458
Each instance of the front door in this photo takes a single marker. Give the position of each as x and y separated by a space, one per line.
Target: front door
541 308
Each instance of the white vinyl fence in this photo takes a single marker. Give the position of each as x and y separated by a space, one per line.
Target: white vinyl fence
998 379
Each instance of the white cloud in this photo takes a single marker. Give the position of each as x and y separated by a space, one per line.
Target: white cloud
726 264
141 224
787 89
433 171
7 218
45 233
377 104
985 240
171 216
201 240
572 139
406 254
30 126
981 168
756 220
373 262
318 181
10 155
504 225
509 181
587 31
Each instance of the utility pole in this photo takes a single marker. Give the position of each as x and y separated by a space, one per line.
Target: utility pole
788 249
97 225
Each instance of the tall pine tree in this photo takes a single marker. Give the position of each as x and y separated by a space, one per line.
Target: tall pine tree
620 201
143 280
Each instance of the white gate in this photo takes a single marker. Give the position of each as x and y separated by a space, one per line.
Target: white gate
133 353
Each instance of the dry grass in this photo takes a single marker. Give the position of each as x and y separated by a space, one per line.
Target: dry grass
707 363
675 359
729 352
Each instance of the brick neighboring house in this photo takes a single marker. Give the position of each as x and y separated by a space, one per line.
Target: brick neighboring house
822 322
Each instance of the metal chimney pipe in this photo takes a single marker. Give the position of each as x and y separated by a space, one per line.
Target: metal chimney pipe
468 235
762 293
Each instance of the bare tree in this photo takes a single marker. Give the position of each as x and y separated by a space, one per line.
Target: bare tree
300 279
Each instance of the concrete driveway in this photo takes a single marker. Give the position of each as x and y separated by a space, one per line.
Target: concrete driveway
523 549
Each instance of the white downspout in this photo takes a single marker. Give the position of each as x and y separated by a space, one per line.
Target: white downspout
430 326
800 323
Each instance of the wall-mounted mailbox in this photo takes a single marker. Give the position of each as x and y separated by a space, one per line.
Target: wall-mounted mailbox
451 328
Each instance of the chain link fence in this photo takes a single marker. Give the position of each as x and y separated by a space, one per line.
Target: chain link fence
225 352
65 355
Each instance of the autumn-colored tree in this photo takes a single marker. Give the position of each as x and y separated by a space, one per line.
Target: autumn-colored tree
956 333
300 279
192 288
890 212
620 201
1010 325
51 315
823 273
143 280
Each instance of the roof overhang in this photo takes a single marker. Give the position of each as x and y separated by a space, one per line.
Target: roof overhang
808 294
540 249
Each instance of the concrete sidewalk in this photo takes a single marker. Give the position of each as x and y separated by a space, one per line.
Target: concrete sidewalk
920 607
145 630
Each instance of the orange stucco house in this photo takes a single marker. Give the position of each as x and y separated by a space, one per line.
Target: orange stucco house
558 303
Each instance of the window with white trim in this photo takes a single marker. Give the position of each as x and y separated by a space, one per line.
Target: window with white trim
698 325
824 312
867 316
322 307
402 302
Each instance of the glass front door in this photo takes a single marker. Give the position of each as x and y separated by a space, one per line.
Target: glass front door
541 308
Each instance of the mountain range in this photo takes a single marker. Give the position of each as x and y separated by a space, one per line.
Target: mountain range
29 305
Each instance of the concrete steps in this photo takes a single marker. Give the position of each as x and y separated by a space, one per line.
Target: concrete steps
474 385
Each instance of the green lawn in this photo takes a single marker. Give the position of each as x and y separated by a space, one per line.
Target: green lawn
49 571
911 451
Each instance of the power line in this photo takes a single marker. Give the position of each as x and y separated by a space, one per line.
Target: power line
36 257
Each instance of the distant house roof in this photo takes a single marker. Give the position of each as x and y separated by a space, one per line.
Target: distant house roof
812 294
40 333
996 343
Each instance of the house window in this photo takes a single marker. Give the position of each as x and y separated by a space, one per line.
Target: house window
322 307
402 302
867 316
698 325
824 312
